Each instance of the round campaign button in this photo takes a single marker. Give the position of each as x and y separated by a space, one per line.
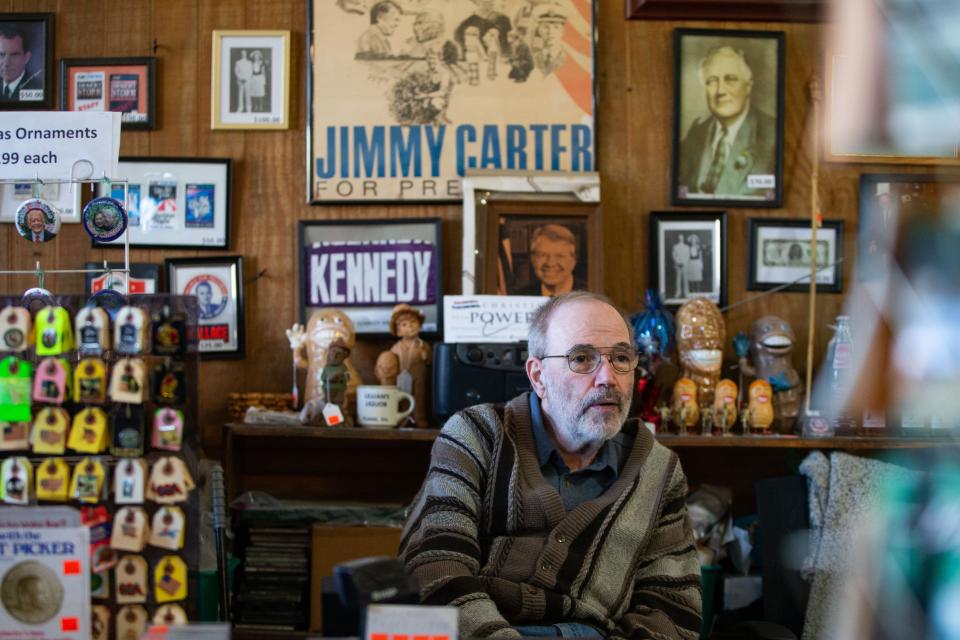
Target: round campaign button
37 221
36 298
109 300
104 219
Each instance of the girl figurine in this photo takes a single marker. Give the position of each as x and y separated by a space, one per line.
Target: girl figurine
413 355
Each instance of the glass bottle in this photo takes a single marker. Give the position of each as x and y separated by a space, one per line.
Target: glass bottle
840 361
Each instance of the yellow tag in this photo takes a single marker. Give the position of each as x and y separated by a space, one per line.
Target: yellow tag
53 330
87 481
128 380
90 381
50 431
166 530
131 578
16 476
88 434
131 622
170 579
53 480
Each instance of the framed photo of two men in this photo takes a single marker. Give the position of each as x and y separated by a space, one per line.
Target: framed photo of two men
728 118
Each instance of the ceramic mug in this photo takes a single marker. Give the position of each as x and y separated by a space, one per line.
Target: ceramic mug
379 406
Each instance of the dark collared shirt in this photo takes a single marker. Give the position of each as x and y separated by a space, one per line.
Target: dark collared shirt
575 487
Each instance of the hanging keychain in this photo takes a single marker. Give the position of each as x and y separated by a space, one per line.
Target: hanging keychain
51 381
99 622
170 615
104 219
53 480
130 335
15 478
15 329
167 429
169 332
127 422
169 383
14 436
54 331
131 622
128 381
131 579
90 381
93 331
170 579
50 431
88 433
15 375
128 481
166 530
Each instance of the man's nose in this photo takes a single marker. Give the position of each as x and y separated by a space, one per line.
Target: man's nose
606 375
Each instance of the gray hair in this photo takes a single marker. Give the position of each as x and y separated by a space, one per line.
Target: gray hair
537 335
555 232
727 50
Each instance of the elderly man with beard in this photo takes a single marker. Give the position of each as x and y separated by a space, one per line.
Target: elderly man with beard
553 515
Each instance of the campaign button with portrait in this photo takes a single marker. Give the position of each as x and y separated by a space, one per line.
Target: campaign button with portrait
211 292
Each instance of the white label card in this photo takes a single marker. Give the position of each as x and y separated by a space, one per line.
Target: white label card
395 621
488 318
59 145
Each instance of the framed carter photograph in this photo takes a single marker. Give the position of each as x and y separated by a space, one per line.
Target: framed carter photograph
366 267
124 85
728 118
688 256
26 61
174 202
781 251
251 80
406 98
144 277
64 197
218 285
542 245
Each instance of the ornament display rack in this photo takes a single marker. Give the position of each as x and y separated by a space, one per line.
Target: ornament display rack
153 304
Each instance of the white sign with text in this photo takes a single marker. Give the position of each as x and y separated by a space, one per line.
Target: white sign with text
403 622
488 318
59 145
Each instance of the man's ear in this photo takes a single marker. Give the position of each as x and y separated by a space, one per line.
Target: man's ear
534 368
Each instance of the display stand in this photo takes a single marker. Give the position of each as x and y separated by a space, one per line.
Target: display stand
153 305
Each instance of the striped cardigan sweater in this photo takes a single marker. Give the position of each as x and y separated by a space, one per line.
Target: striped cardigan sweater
487 534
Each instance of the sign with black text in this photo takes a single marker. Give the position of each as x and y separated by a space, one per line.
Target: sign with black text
59 145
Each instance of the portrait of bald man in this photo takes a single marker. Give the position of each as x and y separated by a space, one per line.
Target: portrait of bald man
730 143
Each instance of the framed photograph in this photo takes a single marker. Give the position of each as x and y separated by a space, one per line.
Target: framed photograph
688 256
125 85
736 11
144 277
781 250
251 80
543 245
887 201
218 285
64 197
861 102
26 75
366 267
174 202
405 98
728 118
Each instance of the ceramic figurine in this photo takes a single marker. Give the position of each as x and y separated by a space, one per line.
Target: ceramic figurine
387 368
413 356
324 326
700 335
685 412
335 375
725 406
760 408
771 343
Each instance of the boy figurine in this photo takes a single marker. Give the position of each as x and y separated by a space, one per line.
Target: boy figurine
414 357
335 375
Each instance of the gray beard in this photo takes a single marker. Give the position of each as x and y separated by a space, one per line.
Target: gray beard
576 427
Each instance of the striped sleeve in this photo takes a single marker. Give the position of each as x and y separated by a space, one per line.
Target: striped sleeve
666 591
440 543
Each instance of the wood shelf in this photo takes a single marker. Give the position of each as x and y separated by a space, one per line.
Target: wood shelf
334 433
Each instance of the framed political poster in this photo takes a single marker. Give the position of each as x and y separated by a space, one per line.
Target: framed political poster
174 202
366 267
406 98
26 72
125 85
218 285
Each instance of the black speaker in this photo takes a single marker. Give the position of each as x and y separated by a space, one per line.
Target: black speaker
465 374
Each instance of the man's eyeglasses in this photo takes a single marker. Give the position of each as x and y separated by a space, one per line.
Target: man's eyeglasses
588 359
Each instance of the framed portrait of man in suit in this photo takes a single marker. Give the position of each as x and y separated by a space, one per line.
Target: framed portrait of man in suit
26 61
728 118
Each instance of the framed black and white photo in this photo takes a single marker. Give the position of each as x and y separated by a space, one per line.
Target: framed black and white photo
366 267
218 285
174 202
26 51
251 80
728 118
781 251
688 256
144 277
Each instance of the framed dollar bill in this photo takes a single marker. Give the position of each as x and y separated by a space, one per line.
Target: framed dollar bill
174 202
125 85
405 98
366 267
218 285
781 251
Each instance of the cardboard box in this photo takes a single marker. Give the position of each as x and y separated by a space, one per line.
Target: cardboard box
332 545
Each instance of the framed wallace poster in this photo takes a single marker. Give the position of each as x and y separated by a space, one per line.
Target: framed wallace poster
405 97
